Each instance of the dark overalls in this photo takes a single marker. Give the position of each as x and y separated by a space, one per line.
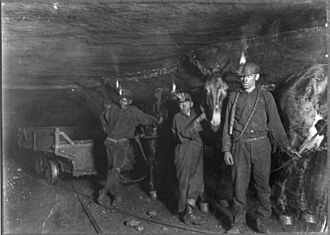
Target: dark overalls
252 151
120 156
120 125
188 159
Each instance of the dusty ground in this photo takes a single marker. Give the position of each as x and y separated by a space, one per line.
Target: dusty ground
30 205
33 206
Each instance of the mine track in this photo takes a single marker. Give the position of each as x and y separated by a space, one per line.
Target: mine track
95 224
98 229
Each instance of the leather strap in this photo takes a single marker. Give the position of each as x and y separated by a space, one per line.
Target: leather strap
232 114
253 139
249 119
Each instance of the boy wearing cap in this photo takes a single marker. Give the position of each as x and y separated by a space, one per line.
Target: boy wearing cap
119 123
188 159
251 117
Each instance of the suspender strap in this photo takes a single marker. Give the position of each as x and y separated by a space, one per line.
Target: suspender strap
249 119
232 114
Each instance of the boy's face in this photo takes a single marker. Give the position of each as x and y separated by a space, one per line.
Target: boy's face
124 102
185 106
249 81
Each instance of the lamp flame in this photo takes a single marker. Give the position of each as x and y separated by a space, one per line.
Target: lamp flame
242 60
117 84
173 87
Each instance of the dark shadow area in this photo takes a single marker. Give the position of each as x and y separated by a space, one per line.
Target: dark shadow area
164 177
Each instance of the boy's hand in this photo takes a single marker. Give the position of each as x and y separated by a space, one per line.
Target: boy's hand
293 153
201 117
228 157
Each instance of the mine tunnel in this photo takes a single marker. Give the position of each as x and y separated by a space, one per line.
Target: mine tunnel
65 64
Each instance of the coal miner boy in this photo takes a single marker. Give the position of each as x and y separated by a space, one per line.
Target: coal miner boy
119 123
251 117
188 159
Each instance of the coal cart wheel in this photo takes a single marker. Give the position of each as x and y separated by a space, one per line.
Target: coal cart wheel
52 172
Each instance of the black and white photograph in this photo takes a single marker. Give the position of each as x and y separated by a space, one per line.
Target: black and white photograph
164 117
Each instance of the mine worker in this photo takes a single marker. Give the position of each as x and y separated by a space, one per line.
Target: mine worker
188 159
119 123
251 120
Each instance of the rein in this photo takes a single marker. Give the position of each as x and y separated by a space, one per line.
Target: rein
138 141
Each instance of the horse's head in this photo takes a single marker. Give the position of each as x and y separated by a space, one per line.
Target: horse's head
216 91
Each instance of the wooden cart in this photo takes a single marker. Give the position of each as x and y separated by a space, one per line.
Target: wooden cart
57 152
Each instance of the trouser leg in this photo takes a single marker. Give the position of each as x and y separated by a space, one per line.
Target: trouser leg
189 166
112 174
240 175
261 164
123 161
196 181
182 173
189 170
126 157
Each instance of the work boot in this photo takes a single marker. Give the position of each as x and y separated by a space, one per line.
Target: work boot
262 226
189 218
237 228
104 200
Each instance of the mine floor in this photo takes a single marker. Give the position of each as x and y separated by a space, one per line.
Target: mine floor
31 205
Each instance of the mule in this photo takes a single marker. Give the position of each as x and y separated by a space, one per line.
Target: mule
216 92
155 138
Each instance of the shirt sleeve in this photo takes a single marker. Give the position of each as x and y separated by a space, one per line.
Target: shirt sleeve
105 119
226 138
143 118
275 125
185 133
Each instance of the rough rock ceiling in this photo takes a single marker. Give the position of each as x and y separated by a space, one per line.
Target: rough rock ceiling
52 48
56 42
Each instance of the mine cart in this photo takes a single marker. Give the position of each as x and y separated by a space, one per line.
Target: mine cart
56 151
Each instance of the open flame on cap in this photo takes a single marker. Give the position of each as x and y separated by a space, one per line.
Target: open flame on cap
179 95
242 60
244 48
173 87
119 88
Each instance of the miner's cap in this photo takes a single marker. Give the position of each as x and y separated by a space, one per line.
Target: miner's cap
249 69
126 93
183 97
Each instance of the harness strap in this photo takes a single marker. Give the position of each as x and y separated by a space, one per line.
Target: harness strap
249 119
141 149
232 114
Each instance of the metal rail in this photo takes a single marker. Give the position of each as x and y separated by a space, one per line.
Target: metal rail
126 212
90 217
